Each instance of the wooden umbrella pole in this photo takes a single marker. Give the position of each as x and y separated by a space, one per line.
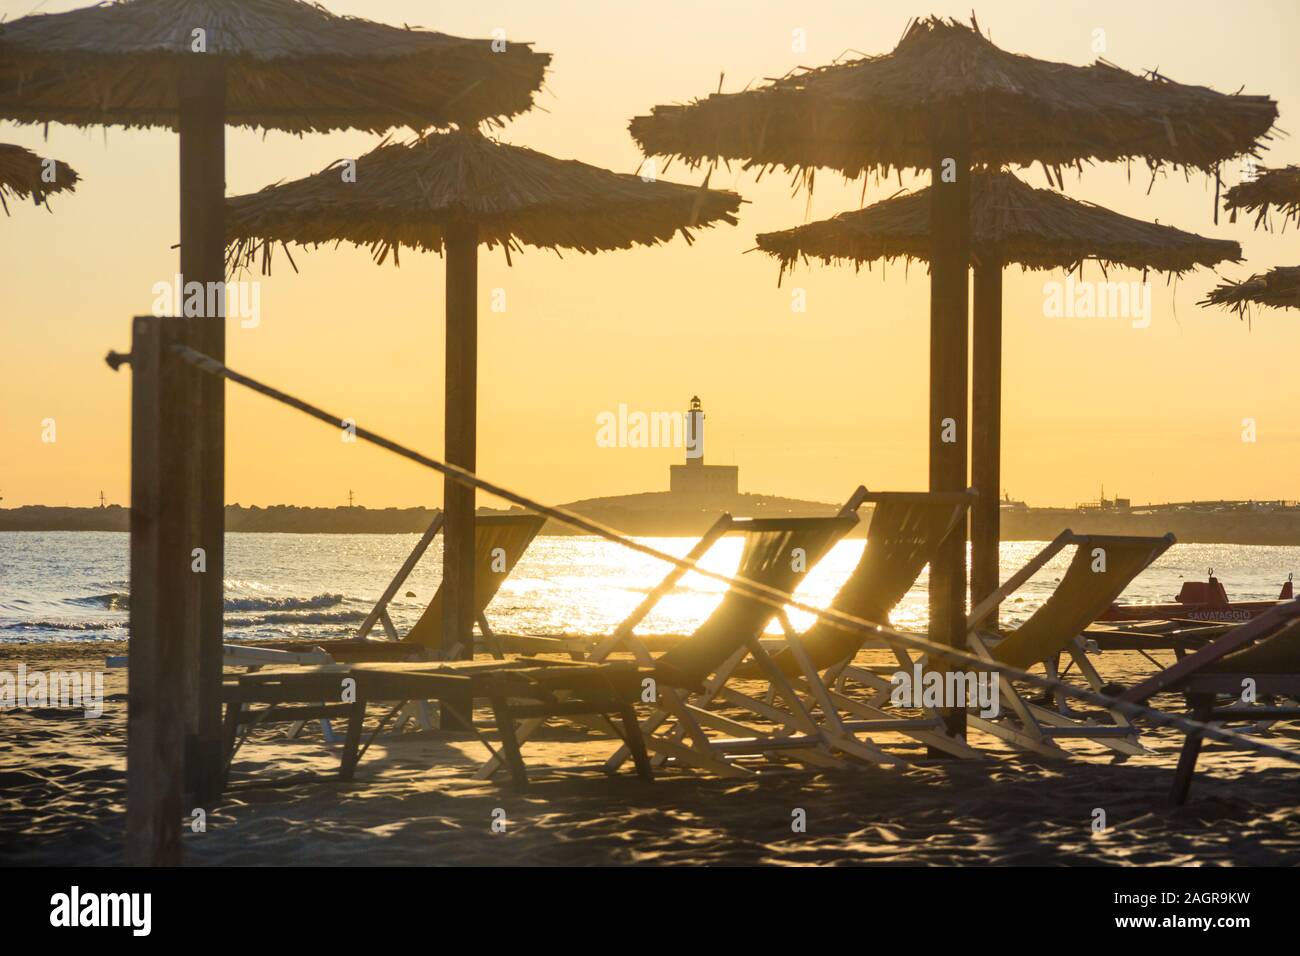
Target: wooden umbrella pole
461 241
950 256
202 100
986 431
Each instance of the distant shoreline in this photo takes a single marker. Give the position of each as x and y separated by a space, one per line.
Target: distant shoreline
664 515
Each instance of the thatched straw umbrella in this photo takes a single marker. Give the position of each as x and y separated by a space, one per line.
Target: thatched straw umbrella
1270 188
453 192
1011 223
194 66
22 174
945 98
1278 288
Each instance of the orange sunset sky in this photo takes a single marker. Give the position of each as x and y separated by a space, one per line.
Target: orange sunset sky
807 404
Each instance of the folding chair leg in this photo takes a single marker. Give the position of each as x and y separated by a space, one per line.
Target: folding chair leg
686 724
413 710
327 731
509 742
230 739
352 743
1202 709
1036 743
635 742
696 757
525 730
456 712
423 714
647 728
669 745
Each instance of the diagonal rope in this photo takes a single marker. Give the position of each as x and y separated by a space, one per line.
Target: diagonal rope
773 597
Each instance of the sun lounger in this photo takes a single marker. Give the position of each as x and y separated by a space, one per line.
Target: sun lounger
1102 568
1262 656
905 531
777 552
516 690
499 542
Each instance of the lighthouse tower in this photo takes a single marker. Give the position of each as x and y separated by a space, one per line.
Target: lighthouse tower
695 433
695 478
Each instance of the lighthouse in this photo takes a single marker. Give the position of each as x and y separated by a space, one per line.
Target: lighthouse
695 478
695 432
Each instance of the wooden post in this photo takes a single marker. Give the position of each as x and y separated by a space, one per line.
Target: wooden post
986 432
202 100
164 596
461 243
950 257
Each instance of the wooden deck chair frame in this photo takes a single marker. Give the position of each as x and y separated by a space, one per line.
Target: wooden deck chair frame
514 689
826 687
817 743
237 655
257 657
379 613
801 736
417 710
1206 690
1029 725
844 718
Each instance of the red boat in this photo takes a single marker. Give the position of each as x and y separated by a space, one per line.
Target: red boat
1198 601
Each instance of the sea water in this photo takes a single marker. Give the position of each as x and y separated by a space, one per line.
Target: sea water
73 586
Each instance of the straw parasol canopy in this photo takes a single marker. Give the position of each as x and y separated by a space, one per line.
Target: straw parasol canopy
1277 188
22 174
1011 222
878 113
290 66
406 195
1279 288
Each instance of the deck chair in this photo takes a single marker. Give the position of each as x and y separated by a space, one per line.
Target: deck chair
499 542
906 528
905 531
1102 568
777 552
1263 654
514 688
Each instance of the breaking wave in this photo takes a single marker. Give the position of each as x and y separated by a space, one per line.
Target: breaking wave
283 604
283 617
112 601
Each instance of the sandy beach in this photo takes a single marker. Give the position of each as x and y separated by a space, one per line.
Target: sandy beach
999 473
62 789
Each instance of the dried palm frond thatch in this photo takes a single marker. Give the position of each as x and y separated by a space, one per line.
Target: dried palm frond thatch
405 194
1279 188
1278 288
879 113
1011 222
289 65
22 174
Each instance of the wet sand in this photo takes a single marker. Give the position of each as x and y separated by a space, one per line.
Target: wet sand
62 789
